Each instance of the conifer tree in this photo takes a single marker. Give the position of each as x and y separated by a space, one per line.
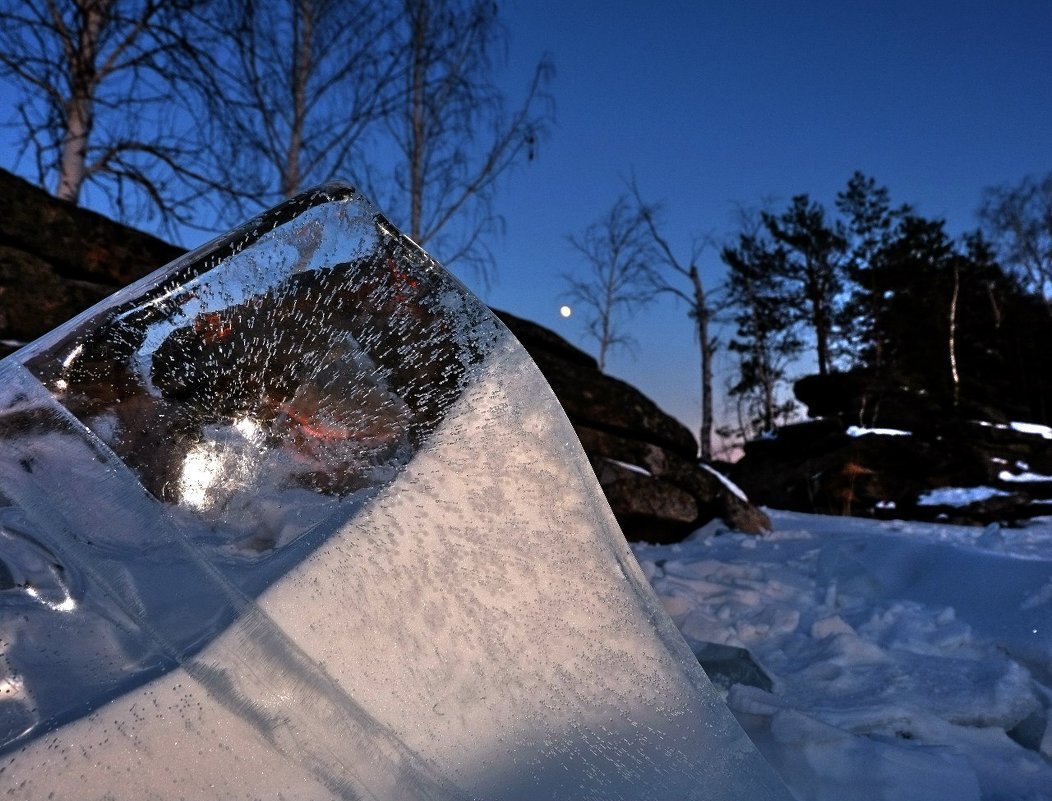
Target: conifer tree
867 226
765 338
812 267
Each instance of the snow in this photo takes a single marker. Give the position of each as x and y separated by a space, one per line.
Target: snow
632 468
907 660
1026 476
1032 428
726 482
859 431
959 496
1023 428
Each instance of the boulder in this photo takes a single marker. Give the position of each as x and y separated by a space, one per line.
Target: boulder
79 244
57 259
916 447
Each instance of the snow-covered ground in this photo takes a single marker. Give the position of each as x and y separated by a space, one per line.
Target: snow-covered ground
905 660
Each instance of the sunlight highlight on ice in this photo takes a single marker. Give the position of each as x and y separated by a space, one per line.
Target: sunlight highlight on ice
202 468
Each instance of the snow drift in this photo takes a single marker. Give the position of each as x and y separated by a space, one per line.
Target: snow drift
889 660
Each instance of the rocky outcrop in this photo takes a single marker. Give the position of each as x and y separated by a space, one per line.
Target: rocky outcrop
883 451
56 260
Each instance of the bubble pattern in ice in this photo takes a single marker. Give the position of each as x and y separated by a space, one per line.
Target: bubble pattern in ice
296 517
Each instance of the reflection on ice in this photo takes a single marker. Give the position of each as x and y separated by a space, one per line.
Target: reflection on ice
296 511
203 467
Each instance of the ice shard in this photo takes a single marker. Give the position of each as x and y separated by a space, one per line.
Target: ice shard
296 517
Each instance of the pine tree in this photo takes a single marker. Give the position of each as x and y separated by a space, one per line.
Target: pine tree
812 269
867 226
765 338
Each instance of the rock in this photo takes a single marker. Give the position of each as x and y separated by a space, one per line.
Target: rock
816 466
77 243
56 260
740 514
670 475
646 507
857 398
727 665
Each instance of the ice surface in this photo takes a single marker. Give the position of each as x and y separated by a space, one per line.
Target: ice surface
296 517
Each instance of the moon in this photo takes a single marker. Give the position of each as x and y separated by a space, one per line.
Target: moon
565 311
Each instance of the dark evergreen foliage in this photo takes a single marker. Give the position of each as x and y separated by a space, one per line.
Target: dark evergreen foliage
766 339
888 294
812 266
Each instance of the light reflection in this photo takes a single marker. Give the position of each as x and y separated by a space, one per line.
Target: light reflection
226 459
202 468
249 428
72 356
65 605
11 688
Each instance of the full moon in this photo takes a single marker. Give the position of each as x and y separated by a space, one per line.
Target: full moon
565 311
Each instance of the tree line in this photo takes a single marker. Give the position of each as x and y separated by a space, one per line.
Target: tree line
199 112
869 286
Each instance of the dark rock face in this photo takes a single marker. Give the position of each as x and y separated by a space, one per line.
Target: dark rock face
817 467
56 260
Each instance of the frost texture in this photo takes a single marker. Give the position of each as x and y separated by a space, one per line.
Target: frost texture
296 517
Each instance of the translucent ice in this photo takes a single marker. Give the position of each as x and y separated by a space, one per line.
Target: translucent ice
296 517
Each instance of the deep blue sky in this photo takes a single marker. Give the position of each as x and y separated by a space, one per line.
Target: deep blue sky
716 103
724 102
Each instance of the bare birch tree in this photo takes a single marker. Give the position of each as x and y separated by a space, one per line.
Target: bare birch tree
303 85
681 278
1018 220
451 133
103 90
619 255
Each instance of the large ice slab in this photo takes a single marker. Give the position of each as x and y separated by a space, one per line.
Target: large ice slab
297 517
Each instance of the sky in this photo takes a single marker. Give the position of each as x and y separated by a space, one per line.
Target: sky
717 104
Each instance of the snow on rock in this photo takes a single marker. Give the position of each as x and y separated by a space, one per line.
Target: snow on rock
959 496
632 468
1032 428
726 482
1026 476
908 660
859 431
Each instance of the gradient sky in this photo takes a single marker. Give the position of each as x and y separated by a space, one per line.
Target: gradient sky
717 103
